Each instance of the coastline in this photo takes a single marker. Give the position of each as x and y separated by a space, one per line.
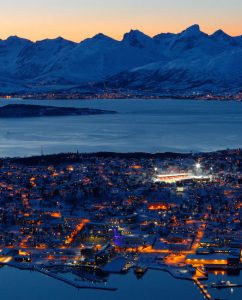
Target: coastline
75 157
58 97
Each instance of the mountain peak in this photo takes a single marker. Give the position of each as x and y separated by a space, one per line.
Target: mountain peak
135 33
164 35
58 39
55 42
97 39
193 30
16 40
136 38
101 36
220 33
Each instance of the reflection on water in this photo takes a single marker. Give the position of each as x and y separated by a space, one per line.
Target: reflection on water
141 125
228 293
15 284
232 272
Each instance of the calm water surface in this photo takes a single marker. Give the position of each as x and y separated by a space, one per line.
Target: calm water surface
140 125
15 284
229 294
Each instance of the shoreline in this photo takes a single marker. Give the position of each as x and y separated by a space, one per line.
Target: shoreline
228 98
73 156
15 111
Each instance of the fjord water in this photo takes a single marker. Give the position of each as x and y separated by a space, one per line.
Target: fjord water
15 284
140 125
25 285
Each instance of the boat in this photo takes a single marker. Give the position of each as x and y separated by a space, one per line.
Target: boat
225 284
140 269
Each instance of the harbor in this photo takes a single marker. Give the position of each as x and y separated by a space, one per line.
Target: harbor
199 278
127 285
137 287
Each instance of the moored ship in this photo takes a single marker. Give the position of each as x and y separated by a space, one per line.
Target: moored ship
140 269
224 284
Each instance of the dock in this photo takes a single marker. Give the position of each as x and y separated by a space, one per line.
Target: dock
29 267
202 289
115 266
72 283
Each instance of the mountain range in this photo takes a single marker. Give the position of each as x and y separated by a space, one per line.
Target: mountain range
190 61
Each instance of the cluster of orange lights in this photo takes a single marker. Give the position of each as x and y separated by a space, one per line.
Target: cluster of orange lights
157 207
146 249
74 233
51 257
197 262
70 168
23 243
56 214
32 181
202 288
41 246
23 253
136 167
169 178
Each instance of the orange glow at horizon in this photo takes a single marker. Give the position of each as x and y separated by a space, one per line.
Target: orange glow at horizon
79 19
78 25
77 35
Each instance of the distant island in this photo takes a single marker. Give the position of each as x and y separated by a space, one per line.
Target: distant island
25 110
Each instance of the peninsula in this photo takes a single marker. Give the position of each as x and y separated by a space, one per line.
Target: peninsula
25 110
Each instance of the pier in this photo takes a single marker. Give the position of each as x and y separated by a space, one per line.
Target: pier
72 283
202 289
56 276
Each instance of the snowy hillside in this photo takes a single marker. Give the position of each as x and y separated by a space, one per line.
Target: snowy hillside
188 60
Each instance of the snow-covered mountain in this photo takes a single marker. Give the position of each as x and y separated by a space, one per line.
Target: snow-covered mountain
188 60
218 73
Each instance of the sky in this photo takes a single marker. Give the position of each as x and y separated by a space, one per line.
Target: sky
79 19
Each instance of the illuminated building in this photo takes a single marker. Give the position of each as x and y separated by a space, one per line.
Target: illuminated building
177 177
158 206
207 259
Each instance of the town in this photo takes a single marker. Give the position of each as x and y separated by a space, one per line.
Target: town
81 217
112 94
